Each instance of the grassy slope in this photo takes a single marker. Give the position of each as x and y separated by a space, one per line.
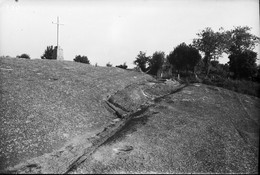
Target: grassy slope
200 129
46 103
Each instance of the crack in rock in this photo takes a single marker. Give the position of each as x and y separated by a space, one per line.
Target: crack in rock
126 104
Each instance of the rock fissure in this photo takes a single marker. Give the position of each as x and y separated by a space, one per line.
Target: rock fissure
69 157
140 111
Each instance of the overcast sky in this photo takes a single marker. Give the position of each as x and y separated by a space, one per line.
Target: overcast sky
116 30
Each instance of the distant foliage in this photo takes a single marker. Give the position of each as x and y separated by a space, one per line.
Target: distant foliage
242 59
243 64
109 64
48 53
5 56
218 69
156 62
184 58
81 59
122 66
141 61
211 44
239 40
240 86
258 74
24 55
233 42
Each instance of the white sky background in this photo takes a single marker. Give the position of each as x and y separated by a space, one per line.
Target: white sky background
116 30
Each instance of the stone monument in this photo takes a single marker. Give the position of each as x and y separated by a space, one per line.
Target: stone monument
58 53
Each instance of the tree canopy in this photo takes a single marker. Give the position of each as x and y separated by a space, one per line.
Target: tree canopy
211 44
155 62
239 40
141 61
123 66
109 64
184 57
24 55
243 64
81 59
239 45
48 53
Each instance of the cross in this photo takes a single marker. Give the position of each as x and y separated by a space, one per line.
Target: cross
58 25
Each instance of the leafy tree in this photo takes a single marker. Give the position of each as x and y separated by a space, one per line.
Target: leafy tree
81 59
221 70
214 63
109 64
243 64
211 44
48 53
193 58
240 44
123 66
258 74
184 57
141 60
155 62
239 40
24 55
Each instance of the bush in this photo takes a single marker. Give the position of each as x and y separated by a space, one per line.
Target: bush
122 66
24 55
109 64
48 53
240 86
81 59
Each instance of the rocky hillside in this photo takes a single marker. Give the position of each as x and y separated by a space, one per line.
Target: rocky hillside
67 117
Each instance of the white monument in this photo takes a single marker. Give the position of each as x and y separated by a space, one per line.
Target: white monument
58 51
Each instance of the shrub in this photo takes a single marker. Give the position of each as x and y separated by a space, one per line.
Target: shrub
123 66
81 59
24 55
109 64
48 53
240 86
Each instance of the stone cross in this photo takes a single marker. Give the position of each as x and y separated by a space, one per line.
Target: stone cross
58 52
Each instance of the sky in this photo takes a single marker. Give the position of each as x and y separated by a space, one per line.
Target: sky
116 30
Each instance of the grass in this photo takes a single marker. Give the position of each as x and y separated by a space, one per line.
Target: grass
240 86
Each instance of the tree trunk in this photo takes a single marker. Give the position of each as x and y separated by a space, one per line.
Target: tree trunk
208 70
207 64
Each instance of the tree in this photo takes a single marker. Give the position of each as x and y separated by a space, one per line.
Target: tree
243 64
239 40
109 64
48 53
24 55
258 74
81 59
141 60
155 63
211 44
193 58
184 57
123 66
222 70
240 44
